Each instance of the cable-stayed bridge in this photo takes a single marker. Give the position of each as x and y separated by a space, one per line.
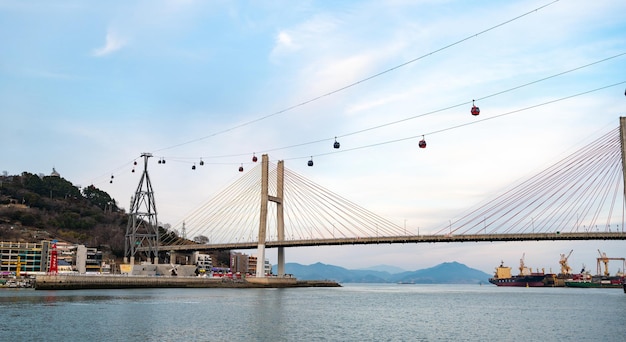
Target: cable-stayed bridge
580 197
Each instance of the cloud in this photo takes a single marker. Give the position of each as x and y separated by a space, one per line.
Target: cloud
112 43
284 39
310 35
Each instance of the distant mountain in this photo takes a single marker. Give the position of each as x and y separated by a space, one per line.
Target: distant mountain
384 268
445 273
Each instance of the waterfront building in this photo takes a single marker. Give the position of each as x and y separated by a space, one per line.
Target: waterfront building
253 262
239 262
34 257
203 262
64 266
66 252
28 256
88 260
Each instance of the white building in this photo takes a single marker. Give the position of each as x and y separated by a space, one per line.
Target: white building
203 261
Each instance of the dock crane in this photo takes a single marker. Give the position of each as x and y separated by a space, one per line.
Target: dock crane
523 270
605 260
18 266
565 269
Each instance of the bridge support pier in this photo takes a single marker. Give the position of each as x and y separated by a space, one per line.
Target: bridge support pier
622 134
278 199
280 179
260 262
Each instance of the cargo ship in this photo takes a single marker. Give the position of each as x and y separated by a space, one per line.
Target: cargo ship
602 279
597 281
526 278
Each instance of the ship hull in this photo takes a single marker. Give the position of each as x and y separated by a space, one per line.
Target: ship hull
591 285
520 281
598 282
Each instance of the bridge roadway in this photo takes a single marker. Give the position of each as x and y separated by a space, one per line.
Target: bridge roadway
401 239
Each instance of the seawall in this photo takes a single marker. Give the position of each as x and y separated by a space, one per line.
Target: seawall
79 282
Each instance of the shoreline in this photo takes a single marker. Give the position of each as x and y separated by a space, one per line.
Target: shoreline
80 282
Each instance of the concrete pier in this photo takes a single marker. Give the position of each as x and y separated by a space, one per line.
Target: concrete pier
79 282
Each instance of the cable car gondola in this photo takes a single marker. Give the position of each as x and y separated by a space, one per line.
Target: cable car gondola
310 163
241 168
201 162
475 110
422 143
336 144
254 158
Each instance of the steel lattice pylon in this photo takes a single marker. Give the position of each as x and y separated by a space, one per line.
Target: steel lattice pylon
142 229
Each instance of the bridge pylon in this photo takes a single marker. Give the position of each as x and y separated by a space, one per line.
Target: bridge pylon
265 199
142 229
622 135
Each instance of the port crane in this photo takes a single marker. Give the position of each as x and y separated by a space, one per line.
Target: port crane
565 269
18 266
605 260
523 270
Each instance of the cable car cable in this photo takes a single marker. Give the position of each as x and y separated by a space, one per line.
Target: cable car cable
362 80
462 104
462 125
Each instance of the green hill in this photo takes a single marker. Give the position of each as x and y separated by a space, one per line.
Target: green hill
37 207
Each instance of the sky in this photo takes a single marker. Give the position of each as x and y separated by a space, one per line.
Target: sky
87 87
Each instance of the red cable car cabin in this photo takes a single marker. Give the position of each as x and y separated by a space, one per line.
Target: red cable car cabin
475 110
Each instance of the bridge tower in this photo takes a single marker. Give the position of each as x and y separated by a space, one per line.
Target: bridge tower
278 199
142 229
622 134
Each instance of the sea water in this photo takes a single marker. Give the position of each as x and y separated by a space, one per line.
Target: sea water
354 312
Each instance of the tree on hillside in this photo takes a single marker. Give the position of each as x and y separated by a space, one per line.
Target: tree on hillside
49 186
58 187
201 239
100 198
33 183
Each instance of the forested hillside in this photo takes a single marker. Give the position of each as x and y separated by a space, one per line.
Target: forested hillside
37 207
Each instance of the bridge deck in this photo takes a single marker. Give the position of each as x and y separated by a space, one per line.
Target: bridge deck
404 239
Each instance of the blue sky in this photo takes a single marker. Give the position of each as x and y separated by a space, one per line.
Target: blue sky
86 87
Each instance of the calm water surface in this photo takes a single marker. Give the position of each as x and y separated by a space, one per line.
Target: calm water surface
355 312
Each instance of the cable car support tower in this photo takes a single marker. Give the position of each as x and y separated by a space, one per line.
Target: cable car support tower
142 229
